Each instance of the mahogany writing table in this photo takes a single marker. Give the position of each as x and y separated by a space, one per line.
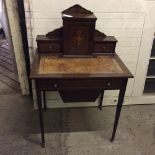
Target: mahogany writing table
92 75
79 62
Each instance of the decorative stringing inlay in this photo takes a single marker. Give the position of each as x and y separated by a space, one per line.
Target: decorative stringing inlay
100 64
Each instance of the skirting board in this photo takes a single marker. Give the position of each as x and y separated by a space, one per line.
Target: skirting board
106 102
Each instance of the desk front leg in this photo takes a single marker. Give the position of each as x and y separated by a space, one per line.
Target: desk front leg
39 102
119 107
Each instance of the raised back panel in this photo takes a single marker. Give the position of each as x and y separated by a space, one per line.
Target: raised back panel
77 37
78 29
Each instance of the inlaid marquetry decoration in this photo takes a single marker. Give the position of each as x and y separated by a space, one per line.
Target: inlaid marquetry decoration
79 38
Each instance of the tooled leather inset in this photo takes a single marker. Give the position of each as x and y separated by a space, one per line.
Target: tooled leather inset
100 64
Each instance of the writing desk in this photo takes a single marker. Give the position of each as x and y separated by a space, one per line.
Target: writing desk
88 76
79 62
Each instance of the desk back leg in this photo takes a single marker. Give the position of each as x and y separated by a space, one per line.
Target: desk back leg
39 102
44 100
119 107
101 100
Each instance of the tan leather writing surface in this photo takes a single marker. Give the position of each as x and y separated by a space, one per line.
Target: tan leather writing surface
100 64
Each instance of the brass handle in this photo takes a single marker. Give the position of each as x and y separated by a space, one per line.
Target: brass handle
50 47
103 47
108 84
55 85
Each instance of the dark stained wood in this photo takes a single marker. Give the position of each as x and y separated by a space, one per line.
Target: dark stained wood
78 31
79 95
78 37
101 100
44 100
85 84
124 68
57 33
119 107
99 35
104 48
51 44
49 47
93 68
104 44
39 102
77 9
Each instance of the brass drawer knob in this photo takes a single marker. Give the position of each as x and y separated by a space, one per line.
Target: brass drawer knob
55 85
50 47
108 84
103 47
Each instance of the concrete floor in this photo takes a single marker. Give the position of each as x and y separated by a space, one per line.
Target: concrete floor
76 131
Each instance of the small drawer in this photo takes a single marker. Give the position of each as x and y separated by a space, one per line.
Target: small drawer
60 84
104 47
47 84
91 83
49 47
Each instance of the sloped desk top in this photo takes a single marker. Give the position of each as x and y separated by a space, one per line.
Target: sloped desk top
100 66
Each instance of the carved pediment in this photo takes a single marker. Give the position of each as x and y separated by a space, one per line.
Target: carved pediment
99 34
77 9
57 33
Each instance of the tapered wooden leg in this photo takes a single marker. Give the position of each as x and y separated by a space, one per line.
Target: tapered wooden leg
40 115
44 100
101 100
119 107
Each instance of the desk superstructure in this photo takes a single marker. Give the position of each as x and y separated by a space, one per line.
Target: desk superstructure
79 62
